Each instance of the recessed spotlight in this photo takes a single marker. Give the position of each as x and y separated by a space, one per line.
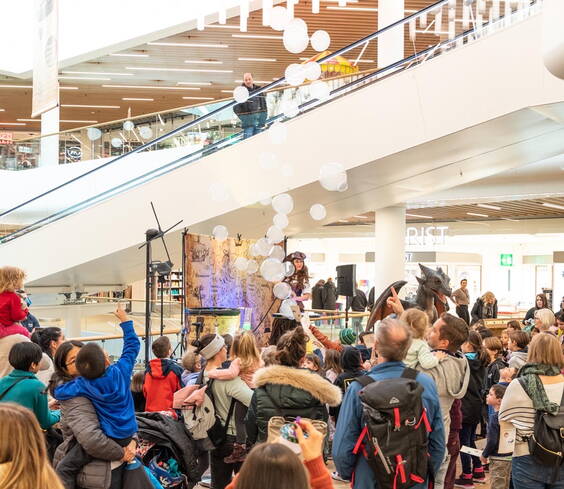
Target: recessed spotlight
418 215
553 206
477 215
489 206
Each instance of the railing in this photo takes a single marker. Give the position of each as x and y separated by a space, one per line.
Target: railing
125 172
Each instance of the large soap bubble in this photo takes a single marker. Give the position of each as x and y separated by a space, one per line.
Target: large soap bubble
252 267
274 235
277 253
241 263
146 132
263 246
117 142
320 90
283 204
220 233
93 133
128 126
272 270
295 74
268 161
279 18
282 290
286 308
240 94
332 176
280 221
254 250
295 38
320 40
218 192
277 133
318 212
312 70
289 268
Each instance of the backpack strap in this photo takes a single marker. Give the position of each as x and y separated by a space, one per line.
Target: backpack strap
10 387
409 373
364 380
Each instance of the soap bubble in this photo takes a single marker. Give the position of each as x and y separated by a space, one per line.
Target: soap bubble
277 253
289 269
117 142
295 74
274 235
241 263
272 270
320 90
277 133
279 18
218 192
263 246
295 38
280 221
283 203
252 267
312 70
332 176
286 308
318 212
220 233
253 250
128 126
282 290
146 132
240 94
268 161
320 40
93 133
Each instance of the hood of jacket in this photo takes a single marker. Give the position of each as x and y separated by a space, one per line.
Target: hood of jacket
451 375
301 380
159 368
520 354
351 359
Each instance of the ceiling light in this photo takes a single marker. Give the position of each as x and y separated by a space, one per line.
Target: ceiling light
2 110
190 70
488 206
219 26
256 81
68 88
79 106
187 45
432 33
477 215
195 62
83 78
151 87
361 217
258 59
203 84
198 98
130 55
255 36
95 73
78 122
139 99
508 219
418 215
28 120
12 124
227 91
553 206
343 220
353 9
16 86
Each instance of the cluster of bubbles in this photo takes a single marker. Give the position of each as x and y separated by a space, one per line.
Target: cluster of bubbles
145 132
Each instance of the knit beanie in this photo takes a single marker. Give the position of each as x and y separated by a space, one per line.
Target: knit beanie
347 336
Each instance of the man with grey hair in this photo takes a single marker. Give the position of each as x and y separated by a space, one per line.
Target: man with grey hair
253 112
392 340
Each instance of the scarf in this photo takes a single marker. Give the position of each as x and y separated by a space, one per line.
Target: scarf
529 378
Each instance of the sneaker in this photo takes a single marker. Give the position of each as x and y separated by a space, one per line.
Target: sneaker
237 455
335 475
465 480
486 467
479 475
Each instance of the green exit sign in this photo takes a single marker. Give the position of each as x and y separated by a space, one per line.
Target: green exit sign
506 260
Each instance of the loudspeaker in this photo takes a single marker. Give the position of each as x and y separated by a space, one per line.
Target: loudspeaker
346 280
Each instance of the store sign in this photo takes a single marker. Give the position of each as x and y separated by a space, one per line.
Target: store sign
6 137
74 153
425 235
25 149
506 260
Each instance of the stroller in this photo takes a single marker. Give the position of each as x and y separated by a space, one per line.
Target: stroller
167 449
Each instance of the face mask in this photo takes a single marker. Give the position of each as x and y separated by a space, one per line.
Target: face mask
471 355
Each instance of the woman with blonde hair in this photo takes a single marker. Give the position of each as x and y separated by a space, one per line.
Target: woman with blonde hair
23 456
485 307
544 319
539 387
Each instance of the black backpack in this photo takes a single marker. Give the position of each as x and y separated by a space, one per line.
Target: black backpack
546 444
394 437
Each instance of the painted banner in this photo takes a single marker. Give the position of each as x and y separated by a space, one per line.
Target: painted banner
45 57
213 281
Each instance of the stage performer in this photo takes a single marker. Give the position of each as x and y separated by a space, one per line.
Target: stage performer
299 281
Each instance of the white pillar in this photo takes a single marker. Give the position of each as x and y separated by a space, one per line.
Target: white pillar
391 43
389 231
49 150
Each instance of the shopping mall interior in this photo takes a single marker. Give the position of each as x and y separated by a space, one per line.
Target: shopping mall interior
247 168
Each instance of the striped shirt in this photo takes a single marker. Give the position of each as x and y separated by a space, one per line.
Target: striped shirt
517 408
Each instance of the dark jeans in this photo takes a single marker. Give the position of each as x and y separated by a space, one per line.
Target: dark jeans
221 472
527 474
462 312
468 438
453 449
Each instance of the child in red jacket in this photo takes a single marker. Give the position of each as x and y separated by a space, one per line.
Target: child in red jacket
12 307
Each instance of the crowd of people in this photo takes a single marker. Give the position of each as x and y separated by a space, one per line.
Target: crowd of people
400 407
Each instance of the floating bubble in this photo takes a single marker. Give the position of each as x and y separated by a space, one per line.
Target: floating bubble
277 253
318 212
252 267
277 133
128 126
272 270
220 233
286 308
289 269
117 142
295 42
146 132
218 192
312 70
287 170
320 40
274 235
320 90
279 18
241 263
290 108
282 290
253 250
268 161
93 133
263 246
295 74
283 204
332 176
280 221
241 94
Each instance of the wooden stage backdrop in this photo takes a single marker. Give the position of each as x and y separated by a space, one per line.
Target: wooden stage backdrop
213 281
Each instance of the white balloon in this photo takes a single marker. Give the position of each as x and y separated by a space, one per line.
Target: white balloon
297 25
240 94
218 192
241 263
263 246
279 18
146 132
268 161
320 90
277 253
289 269
272 270
287 170
332 176
295 41
320 40
312 70
253 250
252 267
274 235
128 126
282 290
220 233
93 133
283 204
280 221
290 108
286 308
277 133
295 74
343 187
318 212
117 142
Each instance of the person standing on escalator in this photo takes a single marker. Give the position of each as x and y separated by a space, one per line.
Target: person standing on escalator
253 112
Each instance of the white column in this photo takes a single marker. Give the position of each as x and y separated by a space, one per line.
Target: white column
389 231
49 150
391 43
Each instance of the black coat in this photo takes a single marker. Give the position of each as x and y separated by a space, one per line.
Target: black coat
329 296
253 105
317 297
472 401
478 311
358 302
288 392
351 360
493 372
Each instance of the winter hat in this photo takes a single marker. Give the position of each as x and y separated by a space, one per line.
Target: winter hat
347 336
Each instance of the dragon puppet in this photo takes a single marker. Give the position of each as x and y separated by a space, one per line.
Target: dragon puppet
431 297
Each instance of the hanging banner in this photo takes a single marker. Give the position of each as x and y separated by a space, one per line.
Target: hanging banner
45 57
